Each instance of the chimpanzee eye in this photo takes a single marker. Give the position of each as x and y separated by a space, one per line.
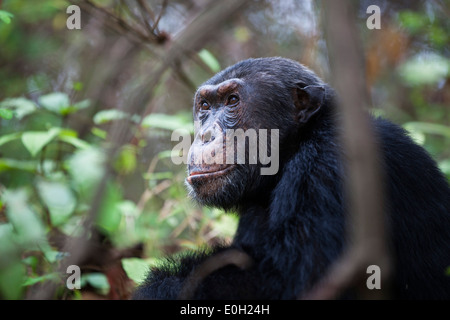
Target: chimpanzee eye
232 100
204 105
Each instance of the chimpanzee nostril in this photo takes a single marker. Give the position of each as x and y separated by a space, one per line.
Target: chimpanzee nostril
207 136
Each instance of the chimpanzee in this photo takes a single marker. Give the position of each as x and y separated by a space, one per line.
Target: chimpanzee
292 223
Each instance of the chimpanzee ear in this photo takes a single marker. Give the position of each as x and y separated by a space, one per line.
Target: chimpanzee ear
308 101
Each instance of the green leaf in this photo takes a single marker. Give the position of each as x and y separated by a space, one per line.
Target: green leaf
21 106
7 239
429 128
10 137
77 143
165 154
6 16
56 102
97 280
126 161
413 21
99 133
209 59
438 36
14 164
445 167
11 279
106 116
168 122
35 141
78 86
59 199
6 114
225 225
82 104
424 69
109 215
27 224
33 280
74 108
31 261
136 269
86 168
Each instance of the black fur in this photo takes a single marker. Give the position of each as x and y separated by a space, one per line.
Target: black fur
293 224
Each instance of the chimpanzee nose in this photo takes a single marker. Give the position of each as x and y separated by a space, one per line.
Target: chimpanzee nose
207 136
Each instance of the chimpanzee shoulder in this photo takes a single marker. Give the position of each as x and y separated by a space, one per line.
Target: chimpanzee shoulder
293 223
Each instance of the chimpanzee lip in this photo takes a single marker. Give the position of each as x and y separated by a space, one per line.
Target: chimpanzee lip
208 174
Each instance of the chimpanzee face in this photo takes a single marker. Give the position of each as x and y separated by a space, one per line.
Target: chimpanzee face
241 116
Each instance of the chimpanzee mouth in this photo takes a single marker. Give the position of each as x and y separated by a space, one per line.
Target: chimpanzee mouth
203 173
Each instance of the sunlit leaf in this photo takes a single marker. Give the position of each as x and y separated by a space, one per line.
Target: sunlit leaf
75 107
438 36
209 59
21 106
413 21
56 102
34 141
6 16
445 167
136 269
109 215
78 86
126 161
58 198
31 261
33 280
68 133
86 168
127 208
27 224
96 280
82 104
425 69
106 116
165 154
168 122
77 143
225 225
9 164
428 128
99 133
6 114
9 137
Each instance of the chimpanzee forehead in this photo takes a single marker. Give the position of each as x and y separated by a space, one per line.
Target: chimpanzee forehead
221 89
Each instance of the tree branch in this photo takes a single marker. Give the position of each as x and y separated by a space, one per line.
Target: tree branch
367 240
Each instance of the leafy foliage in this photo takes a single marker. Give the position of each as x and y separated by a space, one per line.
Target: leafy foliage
64 93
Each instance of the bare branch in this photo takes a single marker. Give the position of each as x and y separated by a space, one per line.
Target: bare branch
367 243
192 38
163 9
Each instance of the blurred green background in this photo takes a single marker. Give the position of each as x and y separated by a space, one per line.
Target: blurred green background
93 109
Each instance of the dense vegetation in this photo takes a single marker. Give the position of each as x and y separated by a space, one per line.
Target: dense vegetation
73 142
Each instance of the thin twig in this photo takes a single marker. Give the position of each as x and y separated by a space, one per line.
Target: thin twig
163 9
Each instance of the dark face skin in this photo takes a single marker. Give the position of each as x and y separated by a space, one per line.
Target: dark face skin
216 108
249 95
